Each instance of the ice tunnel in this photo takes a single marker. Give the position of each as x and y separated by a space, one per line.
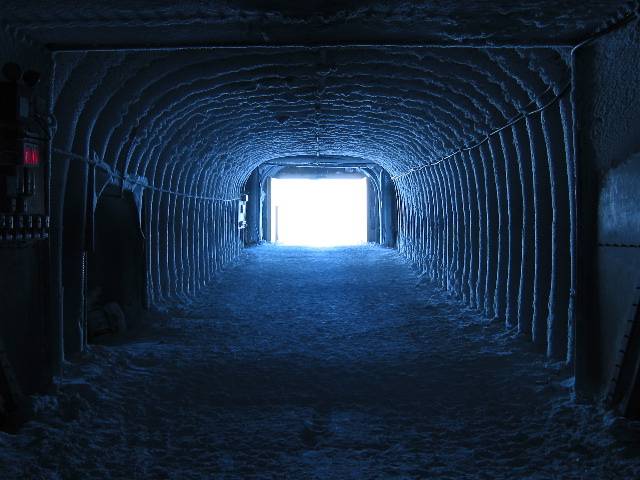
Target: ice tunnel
500 142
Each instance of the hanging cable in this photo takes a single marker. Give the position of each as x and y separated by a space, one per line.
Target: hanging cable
139 181
563 89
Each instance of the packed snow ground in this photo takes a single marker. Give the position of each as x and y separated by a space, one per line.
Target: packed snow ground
305 363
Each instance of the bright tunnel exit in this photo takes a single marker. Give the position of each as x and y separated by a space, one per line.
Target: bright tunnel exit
319 212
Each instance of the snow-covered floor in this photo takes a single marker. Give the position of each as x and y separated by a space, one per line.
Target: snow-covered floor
305 363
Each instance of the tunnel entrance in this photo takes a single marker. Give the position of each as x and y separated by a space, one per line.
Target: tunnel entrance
319 211
115 267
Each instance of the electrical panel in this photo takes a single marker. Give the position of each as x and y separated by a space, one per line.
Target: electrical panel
23 138
242 211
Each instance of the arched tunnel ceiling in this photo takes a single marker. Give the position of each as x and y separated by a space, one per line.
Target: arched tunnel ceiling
199 120
230 110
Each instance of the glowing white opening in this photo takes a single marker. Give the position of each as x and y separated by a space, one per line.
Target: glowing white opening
319 213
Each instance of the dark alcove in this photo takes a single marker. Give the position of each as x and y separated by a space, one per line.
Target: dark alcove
115 267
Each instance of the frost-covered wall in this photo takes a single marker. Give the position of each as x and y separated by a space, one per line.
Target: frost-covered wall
115 133
494 224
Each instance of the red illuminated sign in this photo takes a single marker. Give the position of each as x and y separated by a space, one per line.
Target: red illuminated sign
31 155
